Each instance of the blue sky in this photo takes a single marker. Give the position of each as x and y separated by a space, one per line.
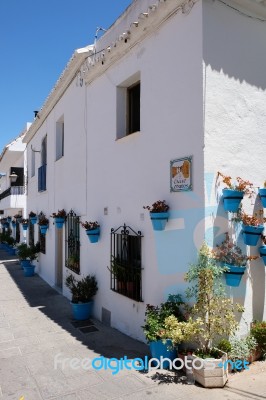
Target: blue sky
37 38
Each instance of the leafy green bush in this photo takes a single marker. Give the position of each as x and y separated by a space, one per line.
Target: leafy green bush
241 348
224 345
258 330
83 290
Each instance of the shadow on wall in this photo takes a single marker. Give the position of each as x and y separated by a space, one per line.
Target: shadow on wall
239 49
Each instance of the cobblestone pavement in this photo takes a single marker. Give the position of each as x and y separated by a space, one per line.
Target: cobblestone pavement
36 326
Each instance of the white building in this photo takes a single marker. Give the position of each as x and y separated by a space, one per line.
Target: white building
12 182
169 80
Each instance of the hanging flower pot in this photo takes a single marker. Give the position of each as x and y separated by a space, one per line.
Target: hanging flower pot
159 214
262 251
25 227
93 235
33 220
232 199
43 229
234 275
9 219
262 194
59 222
251 234
159 220
92 230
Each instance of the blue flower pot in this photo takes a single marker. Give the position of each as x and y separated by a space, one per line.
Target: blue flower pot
6 225
262 193
29 270
25 227
234 275
43 229
251 234
159 220
12 251
232 199
59 222
25 263
82 311
9 219
163 349
262 251
33 220
93 235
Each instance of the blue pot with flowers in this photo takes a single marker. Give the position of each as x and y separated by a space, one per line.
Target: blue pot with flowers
59 218
158 214
43 224
234 192
92 230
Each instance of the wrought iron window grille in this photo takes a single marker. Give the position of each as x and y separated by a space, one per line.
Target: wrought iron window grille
125 262
42 238
72 240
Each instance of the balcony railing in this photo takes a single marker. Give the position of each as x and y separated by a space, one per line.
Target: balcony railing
42 178
13 190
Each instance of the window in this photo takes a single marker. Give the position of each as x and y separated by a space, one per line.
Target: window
128 106
133 100
59 139
125 262
42 168
72 242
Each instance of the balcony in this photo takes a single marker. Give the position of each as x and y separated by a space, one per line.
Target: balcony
42 178
13 198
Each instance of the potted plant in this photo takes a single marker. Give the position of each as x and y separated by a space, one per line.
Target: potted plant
262 194
9 219
258 331
215 314
82 291
232 258
43 223
157 330
252 227
33 218
262 249
159 214
11 242
25 224
27 254
92 230
233 193
59 218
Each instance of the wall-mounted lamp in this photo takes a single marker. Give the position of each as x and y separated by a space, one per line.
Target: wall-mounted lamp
13 177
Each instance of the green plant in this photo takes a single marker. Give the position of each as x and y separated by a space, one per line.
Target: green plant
227 252
90 225
26 252
73 262
59 214
241 348
82 290
155 316
25 221
157 207
258 331
10 241
180 331
224 345
212 308
32 214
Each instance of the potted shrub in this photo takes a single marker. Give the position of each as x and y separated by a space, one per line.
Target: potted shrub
242 349
234 192
157 328
262 249
82 291
92 230
262 194
27 254
215 314
258 331
43 223
232 258
11 242
159 214
252 227
25 224
33 218
59 218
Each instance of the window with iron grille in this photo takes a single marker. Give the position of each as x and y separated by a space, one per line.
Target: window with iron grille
125 263
17 232
31 233
72 247
133 98
41 237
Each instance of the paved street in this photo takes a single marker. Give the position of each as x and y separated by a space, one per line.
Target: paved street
36 326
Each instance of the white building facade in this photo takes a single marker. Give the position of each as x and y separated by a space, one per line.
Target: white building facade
163 85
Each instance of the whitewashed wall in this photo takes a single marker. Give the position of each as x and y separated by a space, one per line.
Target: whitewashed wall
235 124
98 171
